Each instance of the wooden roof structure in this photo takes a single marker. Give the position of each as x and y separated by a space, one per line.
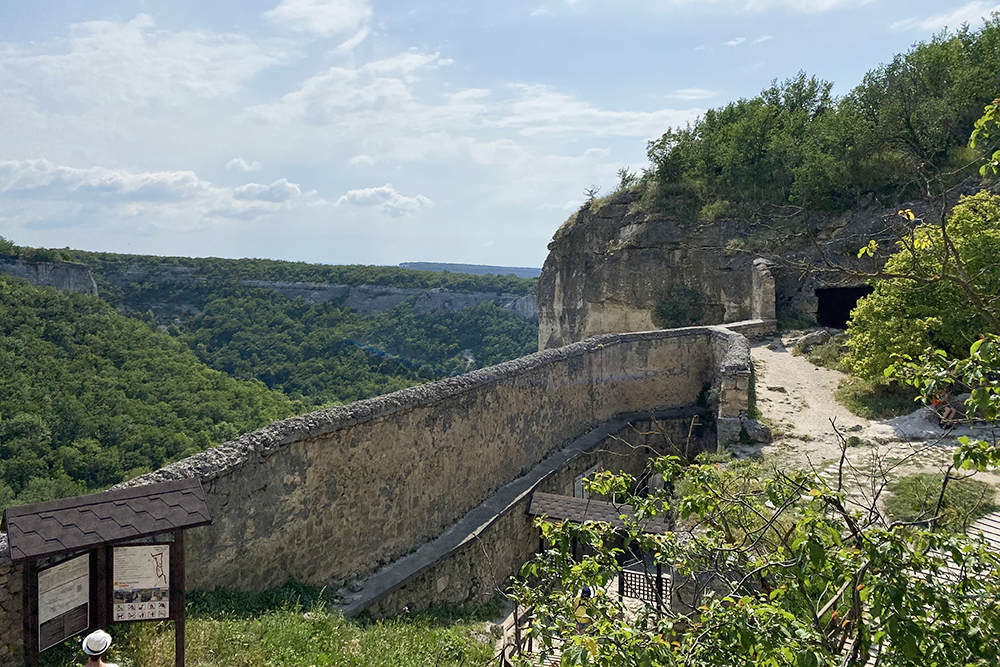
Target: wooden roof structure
989 529
579 510
72 524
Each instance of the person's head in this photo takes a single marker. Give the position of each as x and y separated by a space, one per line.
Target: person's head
585 593
96 644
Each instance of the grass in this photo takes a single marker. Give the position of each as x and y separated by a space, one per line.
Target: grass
294 626
914 498
830 354
875 401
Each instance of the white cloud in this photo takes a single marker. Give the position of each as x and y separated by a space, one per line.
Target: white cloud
761 40
112 64
542 110
175 200
367 160
375 90
803 6
348 46
694 94
736 42
972 14
242 165
321 17
387 200
279 191
41 178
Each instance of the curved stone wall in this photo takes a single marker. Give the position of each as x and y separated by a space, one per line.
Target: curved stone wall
335 494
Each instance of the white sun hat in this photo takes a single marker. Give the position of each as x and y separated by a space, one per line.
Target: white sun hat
96 643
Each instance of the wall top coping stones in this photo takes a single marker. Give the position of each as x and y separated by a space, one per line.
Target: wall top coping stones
213 462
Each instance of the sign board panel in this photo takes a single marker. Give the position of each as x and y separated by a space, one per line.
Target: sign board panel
141 583
63 601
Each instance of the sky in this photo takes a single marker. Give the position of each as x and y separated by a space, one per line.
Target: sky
378 131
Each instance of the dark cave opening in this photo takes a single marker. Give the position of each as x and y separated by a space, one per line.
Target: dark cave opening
836 303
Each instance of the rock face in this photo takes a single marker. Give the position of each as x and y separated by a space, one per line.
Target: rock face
376 299
614 269
61 275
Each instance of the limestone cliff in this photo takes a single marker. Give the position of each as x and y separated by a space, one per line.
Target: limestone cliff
613 268
378 298
61 275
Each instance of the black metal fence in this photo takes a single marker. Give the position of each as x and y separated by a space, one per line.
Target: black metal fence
650 587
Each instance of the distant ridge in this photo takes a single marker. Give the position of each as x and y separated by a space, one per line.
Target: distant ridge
474 269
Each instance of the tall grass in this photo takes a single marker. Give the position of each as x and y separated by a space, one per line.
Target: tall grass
275 628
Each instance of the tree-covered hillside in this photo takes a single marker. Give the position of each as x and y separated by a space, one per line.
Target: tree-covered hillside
178 355
89 397
795 147
323 353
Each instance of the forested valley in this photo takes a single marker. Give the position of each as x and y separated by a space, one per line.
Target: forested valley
179 354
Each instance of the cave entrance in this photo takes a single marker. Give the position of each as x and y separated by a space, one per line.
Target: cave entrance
836 304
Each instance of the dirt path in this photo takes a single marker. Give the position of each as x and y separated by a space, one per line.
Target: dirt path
796 397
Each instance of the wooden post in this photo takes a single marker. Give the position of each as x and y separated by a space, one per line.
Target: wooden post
100 587
177 596
29 612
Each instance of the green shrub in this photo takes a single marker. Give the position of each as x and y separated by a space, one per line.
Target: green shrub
680 307
907 316
875 400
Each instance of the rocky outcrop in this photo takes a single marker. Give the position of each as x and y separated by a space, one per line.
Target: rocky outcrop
613 267
377 299
61 275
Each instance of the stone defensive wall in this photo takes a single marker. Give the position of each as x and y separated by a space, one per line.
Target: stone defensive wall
335 495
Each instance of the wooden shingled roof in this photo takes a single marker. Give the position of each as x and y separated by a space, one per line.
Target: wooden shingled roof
73 524
578 510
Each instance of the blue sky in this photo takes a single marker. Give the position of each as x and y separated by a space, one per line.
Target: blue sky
378 132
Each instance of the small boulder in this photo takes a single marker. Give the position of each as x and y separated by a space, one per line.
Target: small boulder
355 585
815 338
756 432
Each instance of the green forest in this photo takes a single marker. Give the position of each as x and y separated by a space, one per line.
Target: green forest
796 147
97 390
89 397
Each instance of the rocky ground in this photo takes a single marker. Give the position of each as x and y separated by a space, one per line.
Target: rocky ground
796 399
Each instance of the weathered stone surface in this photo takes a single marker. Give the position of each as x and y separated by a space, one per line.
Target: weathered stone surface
757 432
607 271
815 338
611 265
330 496
61 275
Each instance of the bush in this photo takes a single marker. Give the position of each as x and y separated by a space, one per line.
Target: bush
680 307
906 315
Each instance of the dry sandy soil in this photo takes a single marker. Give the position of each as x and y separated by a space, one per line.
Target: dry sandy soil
796 398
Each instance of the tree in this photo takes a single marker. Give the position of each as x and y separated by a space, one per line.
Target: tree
797 572
940 289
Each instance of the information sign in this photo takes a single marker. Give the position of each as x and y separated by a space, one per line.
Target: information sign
141 588
63 601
